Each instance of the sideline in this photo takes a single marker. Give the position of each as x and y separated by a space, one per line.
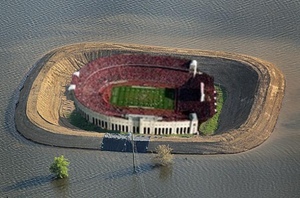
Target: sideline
37 115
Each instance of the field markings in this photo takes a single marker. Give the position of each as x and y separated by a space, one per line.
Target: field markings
143 97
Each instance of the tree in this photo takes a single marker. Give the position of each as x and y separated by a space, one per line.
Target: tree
60 167
163 156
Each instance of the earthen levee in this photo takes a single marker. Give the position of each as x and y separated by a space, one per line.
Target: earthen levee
255 92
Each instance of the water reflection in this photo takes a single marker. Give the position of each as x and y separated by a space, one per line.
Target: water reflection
140 169
165 172
61 187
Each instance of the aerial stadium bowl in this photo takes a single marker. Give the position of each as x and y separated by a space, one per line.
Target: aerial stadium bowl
255 89
144 94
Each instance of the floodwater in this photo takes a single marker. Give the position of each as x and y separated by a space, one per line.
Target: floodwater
267 29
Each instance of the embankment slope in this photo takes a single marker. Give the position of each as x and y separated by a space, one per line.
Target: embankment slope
255 89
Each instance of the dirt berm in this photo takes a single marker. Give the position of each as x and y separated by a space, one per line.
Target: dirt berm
255 90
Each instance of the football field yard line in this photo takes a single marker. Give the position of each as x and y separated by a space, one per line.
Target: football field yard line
148 97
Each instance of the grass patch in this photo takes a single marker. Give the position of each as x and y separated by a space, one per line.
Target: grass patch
145 97
211 125
178 135
78 121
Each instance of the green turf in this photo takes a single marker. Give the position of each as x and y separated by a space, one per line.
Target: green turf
145 97
211 125
77 120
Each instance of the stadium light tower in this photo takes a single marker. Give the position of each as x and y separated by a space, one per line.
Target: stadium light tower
133 155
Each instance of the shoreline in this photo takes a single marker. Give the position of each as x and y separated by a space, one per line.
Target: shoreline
39 123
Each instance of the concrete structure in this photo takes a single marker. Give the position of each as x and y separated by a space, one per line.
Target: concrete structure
195 101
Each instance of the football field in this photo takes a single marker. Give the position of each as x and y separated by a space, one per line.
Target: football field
143 97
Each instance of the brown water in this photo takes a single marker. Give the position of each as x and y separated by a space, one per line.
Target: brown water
266 29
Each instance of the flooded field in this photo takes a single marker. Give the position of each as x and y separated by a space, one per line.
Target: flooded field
265 29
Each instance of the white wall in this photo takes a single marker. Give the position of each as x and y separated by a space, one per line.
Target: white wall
138 125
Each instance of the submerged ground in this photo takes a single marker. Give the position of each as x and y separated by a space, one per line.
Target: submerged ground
265 29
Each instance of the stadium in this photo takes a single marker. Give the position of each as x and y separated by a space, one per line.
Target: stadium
144 94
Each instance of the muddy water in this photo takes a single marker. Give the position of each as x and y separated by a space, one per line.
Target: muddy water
266 29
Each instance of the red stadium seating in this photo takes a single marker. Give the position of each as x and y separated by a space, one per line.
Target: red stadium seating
93 86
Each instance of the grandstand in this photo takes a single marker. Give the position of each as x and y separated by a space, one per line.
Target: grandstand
144 93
